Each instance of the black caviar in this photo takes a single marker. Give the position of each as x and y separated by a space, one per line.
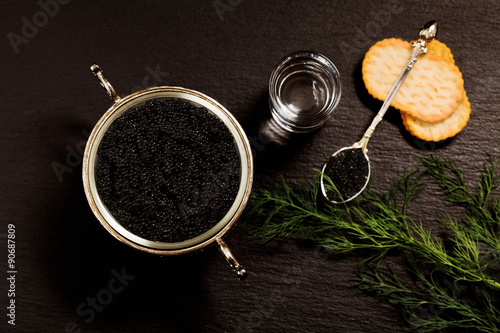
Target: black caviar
167 170
348 171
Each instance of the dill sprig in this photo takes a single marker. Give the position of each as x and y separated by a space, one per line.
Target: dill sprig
447 285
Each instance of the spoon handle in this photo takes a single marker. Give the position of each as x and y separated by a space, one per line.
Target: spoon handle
419 47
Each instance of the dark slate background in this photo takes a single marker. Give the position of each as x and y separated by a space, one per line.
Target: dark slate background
50 101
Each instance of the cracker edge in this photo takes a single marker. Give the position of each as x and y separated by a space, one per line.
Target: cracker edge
418 132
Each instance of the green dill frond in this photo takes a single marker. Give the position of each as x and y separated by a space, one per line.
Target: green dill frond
376 224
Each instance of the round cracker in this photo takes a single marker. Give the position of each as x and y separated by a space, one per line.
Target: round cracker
432 90
440 130
441 50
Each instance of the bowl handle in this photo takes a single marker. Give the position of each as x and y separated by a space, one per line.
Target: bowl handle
104 82
242 273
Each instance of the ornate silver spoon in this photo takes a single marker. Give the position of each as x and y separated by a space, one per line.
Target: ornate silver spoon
349 168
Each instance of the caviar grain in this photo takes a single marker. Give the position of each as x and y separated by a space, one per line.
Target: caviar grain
348 170
168 171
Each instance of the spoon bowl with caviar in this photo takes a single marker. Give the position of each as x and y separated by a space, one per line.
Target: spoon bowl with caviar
347 172
168 170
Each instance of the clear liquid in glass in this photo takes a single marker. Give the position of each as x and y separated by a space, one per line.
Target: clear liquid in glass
304 90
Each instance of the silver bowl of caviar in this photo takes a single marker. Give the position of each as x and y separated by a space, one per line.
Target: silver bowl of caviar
167 170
